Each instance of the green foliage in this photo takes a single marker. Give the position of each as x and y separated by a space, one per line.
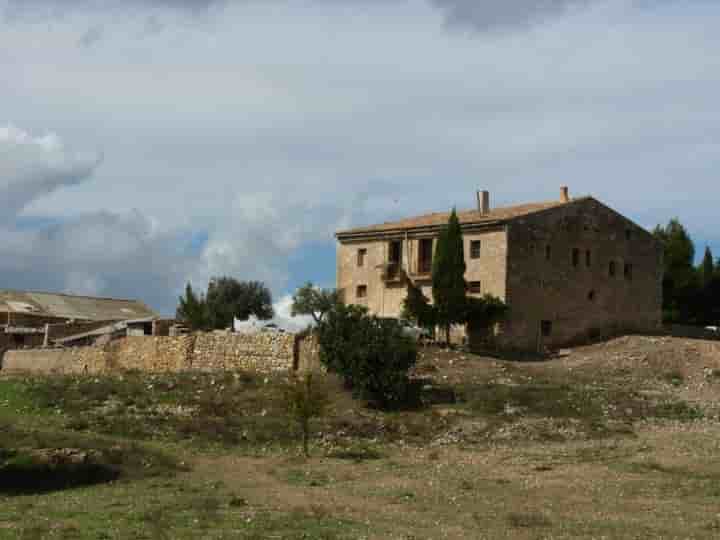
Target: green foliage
313 301
371 354
228 298
681 286
417 308
708 267
305 399
486 311
448 275
192 310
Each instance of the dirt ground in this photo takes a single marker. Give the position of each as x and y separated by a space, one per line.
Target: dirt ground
615 440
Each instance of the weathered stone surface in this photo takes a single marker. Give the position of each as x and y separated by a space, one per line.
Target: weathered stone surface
569 272
263 352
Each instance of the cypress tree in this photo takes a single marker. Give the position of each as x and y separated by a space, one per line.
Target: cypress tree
448 276
708 267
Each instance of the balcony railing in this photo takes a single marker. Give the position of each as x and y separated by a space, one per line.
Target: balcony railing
392 272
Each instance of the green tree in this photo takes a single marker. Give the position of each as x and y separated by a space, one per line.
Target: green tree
192 310
305 398
708 267
448 276
371 354
680 280
228 298
417 308
486 311
313 301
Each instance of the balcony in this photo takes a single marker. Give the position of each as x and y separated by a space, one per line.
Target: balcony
392 272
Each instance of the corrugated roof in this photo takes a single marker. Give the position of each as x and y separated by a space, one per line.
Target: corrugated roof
467 217
68 306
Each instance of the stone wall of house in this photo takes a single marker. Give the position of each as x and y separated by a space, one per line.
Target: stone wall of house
262 352
385 297
584 269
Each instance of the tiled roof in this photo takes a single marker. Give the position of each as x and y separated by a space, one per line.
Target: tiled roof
72 307
467 217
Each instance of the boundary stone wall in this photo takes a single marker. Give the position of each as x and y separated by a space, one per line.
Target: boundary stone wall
264 352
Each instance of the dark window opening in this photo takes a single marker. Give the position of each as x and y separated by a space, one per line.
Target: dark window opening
546 328
628 234
394 258
425 253
361 291
548 252
588 258
361 257
575 257
474 287
611 269
628 271
18 340
475 246
591 296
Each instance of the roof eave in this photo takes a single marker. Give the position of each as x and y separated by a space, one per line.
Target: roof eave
352 235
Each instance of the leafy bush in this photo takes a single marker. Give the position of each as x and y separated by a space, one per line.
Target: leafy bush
372 355
305 399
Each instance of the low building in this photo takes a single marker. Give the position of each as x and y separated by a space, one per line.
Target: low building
33 319
568 268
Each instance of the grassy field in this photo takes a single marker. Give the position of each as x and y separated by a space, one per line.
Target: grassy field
617 440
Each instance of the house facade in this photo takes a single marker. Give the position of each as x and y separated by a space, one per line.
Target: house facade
567 268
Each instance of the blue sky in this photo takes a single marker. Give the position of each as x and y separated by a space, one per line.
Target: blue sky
148 143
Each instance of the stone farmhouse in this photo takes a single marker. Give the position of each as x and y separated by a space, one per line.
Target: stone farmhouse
569 268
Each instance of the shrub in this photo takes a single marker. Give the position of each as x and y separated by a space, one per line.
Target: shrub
371 354
305 399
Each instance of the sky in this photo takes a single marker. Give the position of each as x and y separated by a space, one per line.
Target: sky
145 144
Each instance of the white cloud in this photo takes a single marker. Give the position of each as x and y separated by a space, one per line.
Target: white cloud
284 318
268 128
34 166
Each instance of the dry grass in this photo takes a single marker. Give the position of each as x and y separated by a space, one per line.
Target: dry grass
617 440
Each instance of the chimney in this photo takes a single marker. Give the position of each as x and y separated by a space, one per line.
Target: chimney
564 196
483 202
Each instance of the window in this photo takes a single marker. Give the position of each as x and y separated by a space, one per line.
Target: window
361 253
628 271
576 257
591 296
361 291
628 234
546 328
611 269
475 249
425 253
474 287
588 258
394 258
19 340
548 252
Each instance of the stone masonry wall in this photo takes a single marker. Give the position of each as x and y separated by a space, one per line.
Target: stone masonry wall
385 298
559 271
262 352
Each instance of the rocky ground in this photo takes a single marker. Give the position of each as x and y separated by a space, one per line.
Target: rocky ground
613 440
